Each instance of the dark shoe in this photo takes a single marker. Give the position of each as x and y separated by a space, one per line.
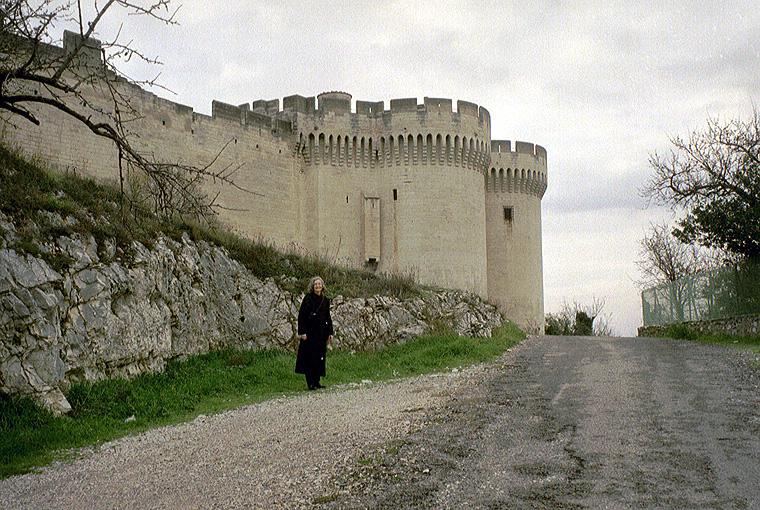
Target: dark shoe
312 388
319 386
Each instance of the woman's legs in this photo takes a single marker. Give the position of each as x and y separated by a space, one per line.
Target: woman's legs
312 381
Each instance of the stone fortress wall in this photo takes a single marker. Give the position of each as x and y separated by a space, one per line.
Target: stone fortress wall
416 188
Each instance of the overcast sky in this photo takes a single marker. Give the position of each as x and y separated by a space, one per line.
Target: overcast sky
600 87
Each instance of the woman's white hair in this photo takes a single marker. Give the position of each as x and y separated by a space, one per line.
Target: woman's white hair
313 281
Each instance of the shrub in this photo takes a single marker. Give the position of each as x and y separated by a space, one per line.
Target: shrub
584 325
557 324
681 332
579 320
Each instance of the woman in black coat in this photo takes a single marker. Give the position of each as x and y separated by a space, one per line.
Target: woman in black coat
315 329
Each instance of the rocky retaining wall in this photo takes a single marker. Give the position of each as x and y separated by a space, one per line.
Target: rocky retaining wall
102 317
743 325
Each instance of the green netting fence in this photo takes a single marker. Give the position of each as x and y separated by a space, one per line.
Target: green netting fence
723 292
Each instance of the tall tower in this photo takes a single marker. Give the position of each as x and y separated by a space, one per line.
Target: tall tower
397 190
514 184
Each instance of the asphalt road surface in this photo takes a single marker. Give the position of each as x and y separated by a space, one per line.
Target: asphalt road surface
570 422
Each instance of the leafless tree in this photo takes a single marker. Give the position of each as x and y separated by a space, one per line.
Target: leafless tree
711 163
663 259
36 72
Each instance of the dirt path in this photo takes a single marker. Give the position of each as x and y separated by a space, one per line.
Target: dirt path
278 454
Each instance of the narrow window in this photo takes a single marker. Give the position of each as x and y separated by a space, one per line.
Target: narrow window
508 212
395 194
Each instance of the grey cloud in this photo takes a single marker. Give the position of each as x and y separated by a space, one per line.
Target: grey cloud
590 190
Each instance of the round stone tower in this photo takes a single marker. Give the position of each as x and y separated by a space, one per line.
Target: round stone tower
515 183
397 190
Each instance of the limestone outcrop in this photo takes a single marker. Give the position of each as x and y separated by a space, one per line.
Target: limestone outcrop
104 315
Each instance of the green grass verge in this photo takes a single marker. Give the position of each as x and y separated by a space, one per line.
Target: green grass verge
31 437
683 332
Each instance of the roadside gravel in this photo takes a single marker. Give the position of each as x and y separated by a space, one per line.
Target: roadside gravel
283 453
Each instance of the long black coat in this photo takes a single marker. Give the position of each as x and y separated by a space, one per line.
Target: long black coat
315 322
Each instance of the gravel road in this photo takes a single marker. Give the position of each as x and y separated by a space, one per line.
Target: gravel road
284 453
556 422
573 422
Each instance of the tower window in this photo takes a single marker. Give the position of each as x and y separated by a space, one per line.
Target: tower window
395 194
508 214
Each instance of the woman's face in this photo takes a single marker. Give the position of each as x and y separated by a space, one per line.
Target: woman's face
318 288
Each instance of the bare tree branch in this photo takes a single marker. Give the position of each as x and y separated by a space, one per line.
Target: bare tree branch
664 259
709 164
34 73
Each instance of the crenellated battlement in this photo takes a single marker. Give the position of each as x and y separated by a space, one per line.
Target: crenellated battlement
278 125
407 134
339 103
522 170
505 147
